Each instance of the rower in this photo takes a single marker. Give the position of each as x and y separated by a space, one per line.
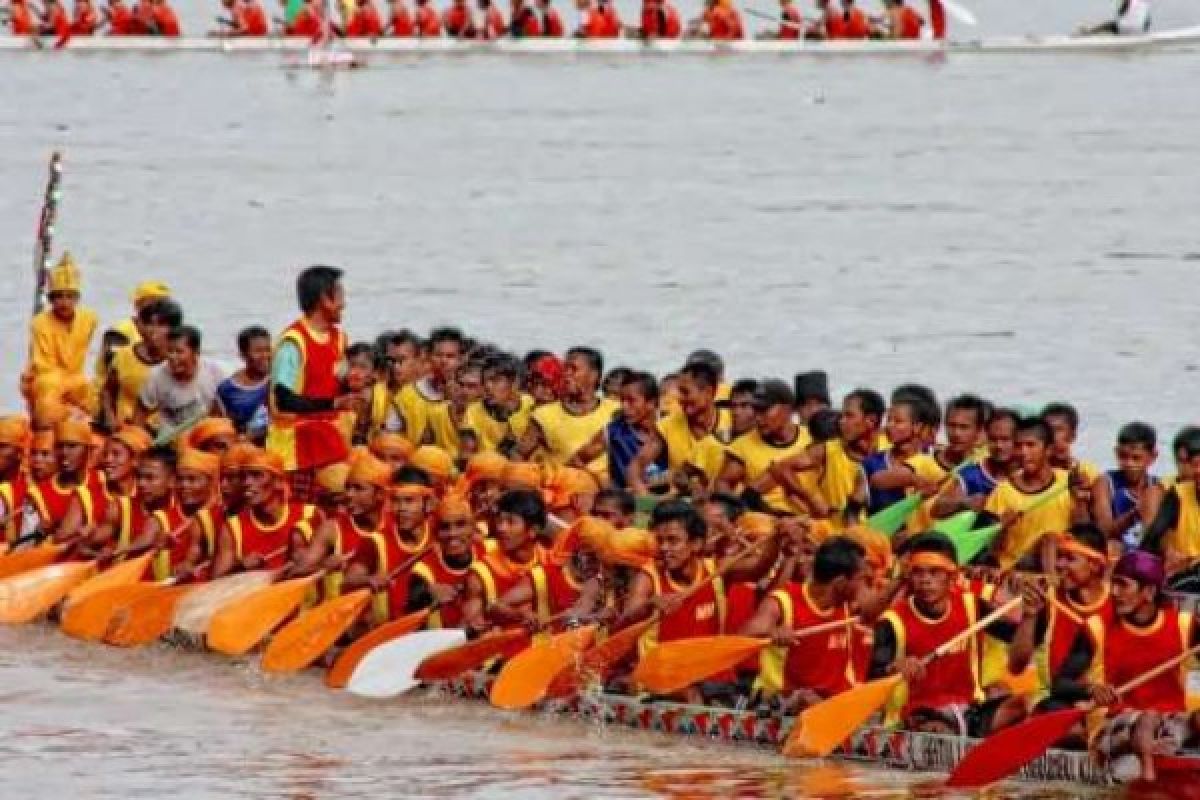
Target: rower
808 669
1069 630
828 25
945 695
525 21
428 21
901 21
157 520
1133 19
492 26
184 388
306 393
791 22
254 18
520 518
270 531
55 21
365 21
166 21
617 507
562 427
342 534
458 21
1126 499
598 19
198 479
243 396
660 20
741 407
776 437
444 352
438 581
130 366
695 435
59 337
85 20
20 19
501 417
1147 630
975 482
97 503
307 21
1031 480
14 481
551 20
1063 420
120 18
637 458
855 23
51 498
720 22
400 21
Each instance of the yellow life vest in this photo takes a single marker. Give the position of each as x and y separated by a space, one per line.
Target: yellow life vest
1051 517
756 456
565 433
492 431
1183 541
705 453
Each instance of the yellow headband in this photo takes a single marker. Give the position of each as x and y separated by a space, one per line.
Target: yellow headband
933 561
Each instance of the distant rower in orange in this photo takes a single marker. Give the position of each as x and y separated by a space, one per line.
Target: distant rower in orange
598 20
120 18
901 21
552 24
20 19
660 20
427 19
457 20
55 21
365 22
166 21
492 25
400 20
855 24
86 20
307 21
525 21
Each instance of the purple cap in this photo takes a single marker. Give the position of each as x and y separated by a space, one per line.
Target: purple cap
1145 568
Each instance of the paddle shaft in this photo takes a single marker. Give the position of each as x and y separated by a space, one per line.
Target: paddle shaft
787 23
958 638
1150 675
45 232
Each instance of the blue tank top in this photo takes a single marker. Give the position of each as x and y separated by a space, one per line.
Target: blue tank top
623 445
976 481
1123 499
247 408
879 499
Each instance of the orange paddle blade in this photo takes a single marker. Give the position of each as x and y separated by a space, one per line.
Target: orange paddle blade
673 666
30 594
123 574
89 618
145 618
598 662
30 558
1003 753
239 625
819 730
194 613
339 674
449 664
304 639
524 680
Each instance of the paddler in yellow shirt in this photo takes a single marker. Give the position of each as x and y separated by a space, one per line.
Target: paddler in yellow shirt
127 331
1034 501
59 337
417 401
448 421
695 435
563 427
1063 421
776 437
501 417
1174 533
400 361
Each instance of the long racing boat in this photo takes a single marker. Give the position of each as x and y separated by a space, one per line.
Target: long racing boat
1170 40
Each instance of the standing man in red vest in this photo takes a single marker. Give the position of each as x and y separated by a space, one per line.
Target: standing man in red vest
306 392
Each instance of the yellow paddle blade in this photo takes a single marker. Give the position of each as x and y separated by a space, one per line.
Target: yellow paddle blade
819 730
449 664
673 666
30 558
598 662
145 618
339 674
524 680
194 613
304 639
30 594
89 618
123 574
239 625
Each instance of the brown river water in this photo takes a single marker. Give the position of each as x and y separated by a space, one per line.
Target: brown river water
1023 227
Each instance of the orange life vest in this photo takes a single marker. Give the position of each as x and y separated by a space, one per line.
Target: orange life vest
433 569
271 541
1130 652
953 678
823 661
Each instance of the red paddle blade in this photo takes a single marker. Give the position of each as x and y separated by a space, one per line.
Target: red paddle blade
1003 753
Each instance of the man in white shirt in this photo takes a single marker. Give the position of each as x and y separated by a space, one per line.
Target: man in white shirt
184 387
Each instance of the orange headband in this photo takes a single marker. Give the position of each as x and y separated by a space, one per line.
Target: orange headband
211 428
134 438
366 468
933 561
413 489
192 460
1070 544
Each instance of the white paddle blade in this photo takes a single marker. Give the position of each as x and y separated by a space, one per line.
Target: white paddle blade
195 611
389 669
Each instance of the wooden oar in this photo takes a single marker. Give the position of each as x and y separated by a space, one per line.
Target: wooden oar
389 669
451 663
241 624
28 595
146 617
89 619
1005 752
121 574
523 681
195 611
30 558
303 640
819 730
676 665
352 656
598 662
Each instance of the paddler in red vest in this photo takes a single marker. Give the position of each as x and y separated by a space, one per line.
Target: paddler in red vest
1065 642
142 22
520 518
439 580
829 23
400 20
901 21
270 531
820 665
492 26
791 22
722 22
457 20
99 504
85 20
855 23
568 585
525 21
198 477
307 23
402 536
158 522
598 19
944 696
20 20
550 20
428 21
306 394
483 484
166 21
660 20
232 462
15 438
55 21
52 498
253 18
1147 630
120 18
365 22
365 515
